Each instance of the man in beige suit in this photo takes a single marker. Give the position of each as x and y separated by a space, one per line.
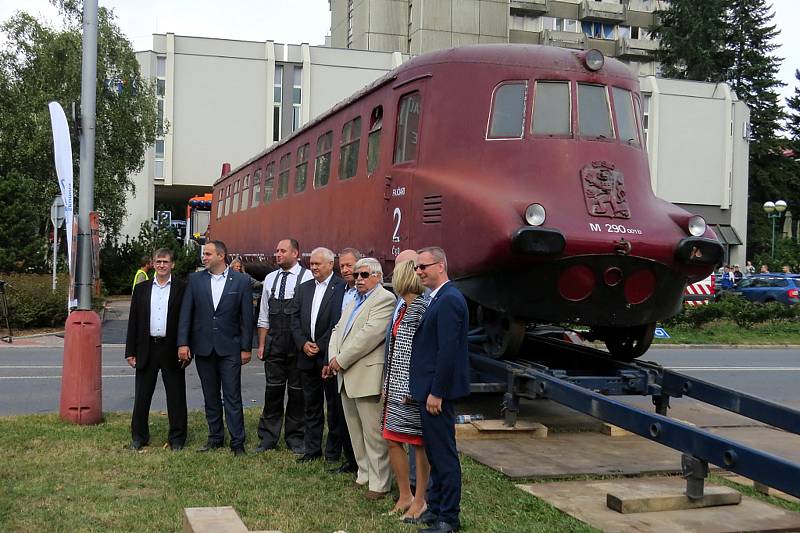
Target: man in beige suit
356 355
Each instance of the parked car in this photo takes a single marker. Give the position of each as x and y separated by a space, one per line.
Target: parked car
763 288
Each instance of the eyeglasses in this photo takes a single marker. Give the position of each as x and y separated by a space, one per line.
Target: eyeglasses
363 275
421 267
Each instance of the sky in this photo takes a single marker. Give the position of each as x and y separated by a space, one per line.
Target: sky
303 21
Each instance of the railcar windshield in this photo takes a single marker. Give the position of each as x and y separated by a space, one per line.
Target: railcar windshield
594 114
551 110
626 121
508 111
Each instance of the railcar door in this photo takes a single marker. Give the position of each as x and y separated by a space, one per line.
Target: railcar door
399 180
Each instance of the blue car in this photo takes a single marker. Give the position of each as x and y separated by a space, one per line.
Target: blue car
764 288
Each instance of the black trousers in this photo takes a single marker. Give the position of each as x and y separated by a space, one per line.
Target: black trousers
444 489
314 407
338 441
162 357
280 367
218 372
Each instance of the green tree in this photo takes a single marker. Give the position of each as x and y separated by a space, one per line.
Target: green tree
690 50
793 129
39 64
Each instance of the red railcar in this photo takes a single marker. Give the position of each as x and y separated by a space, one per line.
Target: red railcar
525 163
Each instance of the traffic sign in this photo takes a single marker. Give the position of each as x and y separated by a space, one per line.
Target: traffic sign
57 212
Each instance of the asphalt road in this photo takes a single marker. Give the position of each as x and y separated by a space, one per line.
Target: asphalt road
30 378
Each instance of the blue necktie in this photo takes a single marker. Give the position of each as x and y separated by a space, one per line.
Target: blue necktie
359 300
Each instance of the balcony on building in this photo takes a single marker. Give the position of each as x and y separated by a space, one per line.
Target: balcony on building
564 39
603 11
632 49
530 7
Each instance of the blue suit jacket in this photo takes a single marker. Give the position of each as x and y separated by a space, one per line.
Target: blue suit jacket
228 330
439 356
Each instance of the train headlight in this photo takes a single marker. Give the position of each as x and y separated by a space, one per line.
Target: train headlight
594 59
535 215
697 226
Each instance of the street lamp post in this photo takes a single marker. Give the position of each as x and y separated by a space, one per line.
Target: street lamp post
774 211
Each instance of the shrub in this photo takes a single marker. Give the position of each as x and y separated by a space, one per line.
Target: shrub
33 303
734 307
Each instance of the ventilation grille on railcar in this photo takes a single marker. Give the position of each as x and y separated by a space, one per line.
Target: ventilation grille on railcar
432 209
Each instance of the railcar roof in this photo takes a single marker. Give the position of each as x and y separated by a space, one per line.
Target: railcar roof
521 55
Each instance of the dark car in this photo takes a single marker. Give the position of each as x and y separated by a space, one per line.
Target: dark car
763 288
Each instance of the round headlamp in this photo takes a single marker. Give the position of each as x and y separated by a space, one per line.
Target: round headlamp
535 214
697 226
594 59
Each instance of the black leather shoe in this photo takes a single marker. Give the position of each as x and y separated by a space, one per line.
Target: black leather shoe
261 448
427 518
346 468
136 445
238 452
176 447
210 446
439 527
308 457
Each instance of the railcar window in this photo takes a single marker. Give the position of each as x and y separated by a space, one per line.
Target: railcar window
302 169
227 200
407 133
626 119
551 108
220 203
508 111
348 152
269 182
374 139
246 193
283 177
593 111
322 163
256 188
235 206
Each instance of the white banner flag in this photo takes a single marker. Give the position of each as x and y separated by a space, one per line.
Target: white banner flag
62 150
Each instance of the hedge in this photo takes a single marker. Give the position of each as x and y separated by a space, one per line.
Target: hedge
735 308
32 302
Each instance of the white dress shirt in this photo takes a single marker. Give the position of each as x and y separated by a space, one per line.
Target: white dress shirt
319 293
436 290
159 303
217 286
349 296
266 291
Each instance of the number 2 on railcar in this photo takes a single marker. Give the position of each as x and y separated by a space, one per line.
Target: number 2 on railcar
527 164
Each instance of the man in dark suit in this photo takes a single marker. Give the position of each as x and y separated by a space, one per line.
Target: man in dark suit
318 306
216 326
439 374
151 346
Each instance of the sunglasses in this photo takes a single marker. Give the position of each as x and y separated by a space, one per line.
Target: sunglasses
363 275
421 267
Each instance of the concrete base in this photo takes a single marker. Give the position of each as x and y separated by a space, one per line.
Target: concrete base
652 498
586 501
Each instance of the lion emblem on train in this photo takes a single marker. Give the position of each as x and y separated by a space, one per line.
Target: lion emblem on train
604 190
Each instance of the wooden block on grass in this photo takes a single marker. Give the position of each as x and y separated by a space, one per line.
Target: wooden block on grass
212 520
627 501
495 429
760 487
613 431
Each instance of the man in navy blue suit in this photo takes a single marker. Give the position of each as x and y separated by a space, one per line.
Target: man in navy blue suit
439 374
216 326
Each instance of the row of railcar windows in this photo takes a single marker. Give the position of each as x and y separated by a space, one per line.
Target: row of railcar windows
406 139
552 111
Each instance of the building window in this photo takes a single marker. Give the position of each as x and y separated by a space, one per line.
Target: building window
407 132
256 187
159 169
645 116
593 112
277 98
160 149
322 165
626 120
301 172
283 177
246 192
598 30
551 108
161 87
297 97
508 110
161 66
350 23
374 139
269 182
348 152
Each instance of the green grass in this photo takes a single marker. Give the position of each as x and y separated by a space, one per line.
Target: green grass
753 493
56 476
725 332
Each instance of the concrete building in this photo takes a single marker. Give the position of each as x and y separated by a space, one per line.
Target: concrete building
618 28
225 100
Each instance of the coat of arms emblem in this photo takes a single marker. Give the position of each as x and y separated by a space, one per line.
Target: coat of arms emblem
604 190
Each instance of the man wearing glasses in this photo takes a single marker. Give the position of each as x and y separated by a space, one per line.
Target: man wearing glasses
356 354
438 375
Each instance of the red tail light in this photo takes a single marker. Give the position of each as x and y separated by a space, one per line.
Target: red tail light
793 293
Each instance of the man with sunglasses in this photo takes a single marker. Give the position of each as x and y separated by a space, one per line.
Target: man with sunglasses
438 375
356 354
